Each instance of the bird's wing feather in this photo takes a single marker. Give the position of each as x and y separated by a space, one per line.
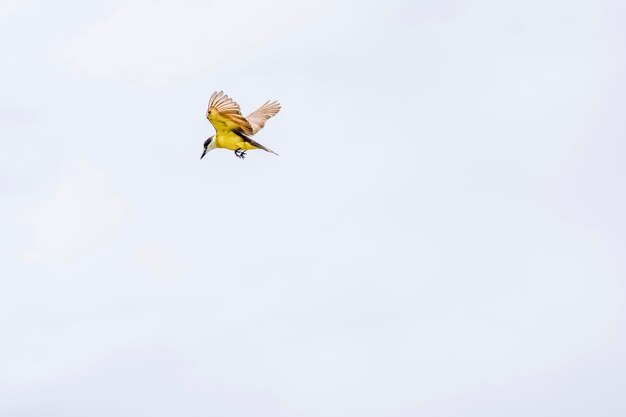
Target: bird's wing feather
225 115
258 117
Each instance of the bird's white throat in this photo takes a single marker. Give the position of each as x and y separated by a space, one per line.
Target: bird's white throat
211 145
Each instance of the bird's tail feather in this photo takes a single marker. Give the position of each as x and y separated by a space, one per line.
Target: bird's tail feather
258 145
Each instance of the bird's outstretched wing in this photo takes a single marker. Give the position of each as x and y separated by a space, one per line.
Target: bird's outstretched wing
258 117
225 115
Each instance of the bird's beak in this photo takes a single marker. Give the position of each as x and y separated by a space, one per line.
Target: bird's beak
203 153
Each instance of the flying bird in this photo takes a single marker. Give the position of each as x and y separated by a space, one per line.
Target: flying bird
232 130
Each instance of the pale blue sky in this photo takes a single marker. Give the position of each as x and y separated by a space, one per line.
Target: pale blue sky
442 234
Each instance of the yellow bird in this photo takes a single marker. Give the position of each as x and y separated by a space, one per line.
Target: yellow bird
232 130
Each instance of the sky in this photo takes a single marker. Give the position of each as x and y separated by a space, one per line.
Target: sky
443 233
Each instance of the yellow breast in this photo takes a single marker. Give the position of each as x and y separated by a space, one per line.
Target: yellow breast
232 141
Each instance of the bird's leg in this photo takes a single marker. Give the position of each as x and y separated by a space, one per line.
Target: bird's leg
239 153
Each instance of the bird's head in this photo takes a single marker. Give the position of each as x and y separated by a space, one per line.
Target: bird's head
209 145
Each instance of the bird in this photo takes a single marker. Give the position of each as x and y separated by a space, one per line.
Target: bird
232 130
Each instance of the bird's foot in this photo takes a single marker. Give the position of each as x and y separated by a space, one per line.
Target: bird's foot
240 153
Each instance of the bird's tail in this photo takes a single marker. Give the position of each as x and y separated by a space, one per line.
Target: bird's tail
258 145
269 150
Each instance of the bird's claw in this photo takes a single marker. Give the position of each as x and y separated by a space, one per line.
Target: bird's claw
240 153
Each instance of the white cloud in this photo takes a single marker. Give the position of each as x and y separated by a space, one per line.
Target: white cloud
163 261
83 210
9 7
170 40
456 251
43 355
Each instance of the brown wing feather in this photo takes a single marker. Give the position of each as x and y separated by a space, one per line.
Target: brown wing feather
258 117
225 115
